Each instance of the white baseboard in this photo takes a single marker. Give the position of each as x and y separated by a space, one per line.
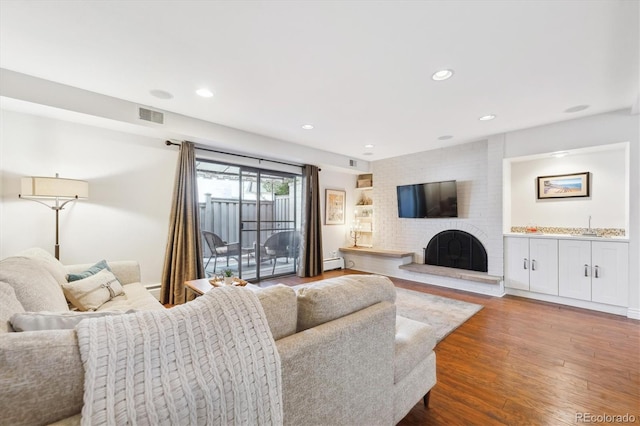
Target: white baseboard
633 313
584 304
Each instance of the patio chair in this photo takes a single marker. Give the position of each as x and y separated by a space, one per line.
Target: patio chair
282 244
219 248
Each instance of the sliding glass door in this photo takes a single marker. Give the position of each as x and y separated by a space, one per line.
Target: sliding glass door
249 219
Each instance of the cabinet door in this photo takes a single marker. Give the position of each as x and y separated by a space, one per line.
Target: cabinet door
543 275
574 269
516 265
610 280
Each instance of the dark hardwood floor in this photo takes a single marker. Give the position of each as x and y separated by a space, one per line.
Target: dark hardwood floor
524 362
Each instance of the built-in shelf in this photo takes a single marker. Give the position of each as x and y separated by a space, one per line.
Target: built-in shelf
365 181
376 252
363 211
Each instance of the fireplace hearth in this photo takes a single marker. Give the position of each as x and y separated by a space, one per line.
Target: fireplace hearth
456 249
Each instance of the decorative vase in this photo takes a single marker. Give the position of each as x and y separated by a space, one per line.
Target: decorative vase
228 280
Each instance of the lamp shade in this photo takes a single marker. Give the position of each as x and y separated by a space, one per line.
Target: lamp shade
54 187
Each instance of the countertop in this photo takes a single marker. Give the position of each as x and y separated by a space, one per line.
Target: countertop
566 237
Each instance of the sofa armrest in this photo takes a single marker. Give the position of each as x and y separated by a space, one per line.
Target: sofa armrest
126 271
41 377
341 372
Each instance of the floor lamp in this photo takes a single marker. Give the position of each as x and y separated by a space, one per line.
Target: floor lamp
60 191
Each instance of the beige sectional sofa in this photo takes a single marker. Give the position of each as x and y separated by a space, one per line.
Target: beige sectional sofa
346 358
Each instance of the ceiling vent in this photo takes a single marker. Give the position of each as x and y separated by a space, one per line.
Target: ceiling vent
150 115
353 163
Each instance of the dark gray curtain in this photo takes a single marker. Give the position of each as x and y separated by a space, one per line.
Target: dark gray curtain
311 256
183 257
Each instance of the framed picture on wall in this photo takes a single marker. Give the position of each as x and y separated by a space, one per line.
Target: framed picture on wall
563 186
334 205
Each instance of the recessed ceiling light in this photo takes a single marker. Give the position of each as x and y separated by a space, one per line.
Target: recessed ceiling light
161 94
560 154
307 126
445 137
442 75
487 117
576 108
369 145
205 93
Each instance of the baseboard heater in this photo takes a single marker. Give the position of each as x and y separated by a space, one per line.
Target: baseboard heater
154 289
331 263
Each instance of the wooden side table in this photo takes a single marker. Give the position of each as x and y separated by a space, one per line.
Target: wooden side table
201 286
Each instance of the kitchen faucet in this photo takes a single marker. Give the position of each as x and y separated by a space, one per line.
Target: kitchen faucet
590 232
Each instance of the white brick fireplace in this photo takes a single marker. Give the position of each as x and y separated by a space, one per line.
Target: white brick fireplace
477 168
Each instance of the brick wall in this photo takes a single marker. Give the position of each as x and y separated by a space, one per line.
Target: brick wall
477 168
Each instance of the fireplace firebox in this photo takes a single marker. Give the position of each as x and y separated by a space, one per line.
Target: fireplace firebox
456 249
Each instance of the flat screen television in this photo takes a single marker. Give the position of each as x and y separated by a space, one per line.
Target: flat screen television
428 200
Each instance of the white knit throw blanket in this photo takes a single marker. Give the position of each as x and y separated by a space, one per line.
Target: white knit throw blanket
212 361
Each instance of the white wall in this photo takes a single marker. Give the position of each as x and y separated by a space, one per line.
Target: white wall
130 188
336 236
607 204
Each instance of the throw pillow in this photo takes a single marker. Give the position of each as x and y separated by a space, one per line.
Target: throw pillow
91 271
89 293
35 288
50 263
35 321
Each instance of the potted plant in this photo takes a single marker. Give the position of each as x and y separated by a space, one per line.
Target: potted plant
228 276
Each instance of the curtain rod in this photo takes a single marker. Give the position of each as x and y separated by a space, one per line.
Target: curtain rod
237 155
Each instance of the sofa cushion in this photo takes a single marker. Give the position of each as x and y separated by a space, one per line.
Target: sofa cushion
35 287
333 298
414 342
89 271
9 305
281 308
135 297
89 293
48 261
36 321
42 377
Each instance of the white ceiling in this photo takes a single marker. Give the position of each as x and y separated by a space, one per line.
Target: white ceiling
359 71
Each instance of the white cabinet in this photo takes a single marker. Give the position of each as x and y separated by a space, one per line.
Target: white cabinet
574 260
532 264
597 271
610 279
593 271
516 267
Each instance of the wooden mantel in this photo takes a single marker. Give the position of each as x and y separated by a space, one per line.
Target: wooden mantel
376 252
